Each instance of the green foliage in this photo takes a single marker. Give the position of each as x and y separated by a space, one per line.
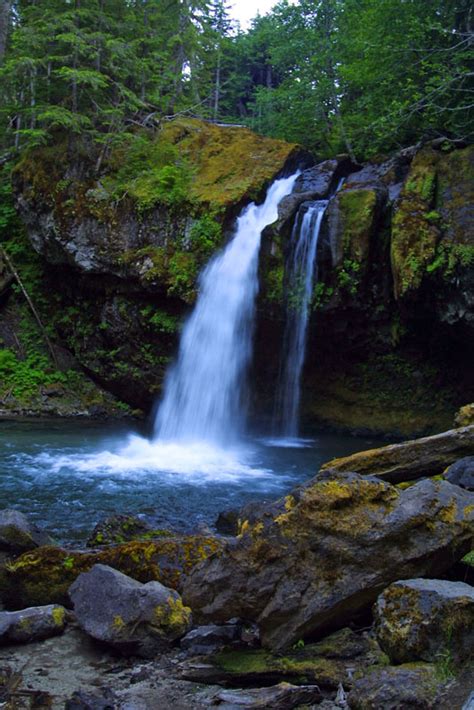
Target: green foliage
159 321
149 171
322 294
205 236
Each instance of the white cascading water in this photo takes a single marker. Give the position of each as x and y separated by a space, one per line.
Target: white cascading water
203 389
302 273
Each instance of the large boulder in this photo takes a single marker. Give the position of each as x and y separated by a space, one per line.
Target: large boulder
424 619
17 534
134 618
319 556
44 576
33 624
409 460
399 688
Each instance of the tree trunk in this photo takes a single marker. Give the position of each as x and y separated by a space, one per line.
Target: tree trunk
4 26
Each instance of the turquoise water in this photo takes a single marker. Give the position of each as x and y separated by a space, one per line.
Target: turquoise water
68 475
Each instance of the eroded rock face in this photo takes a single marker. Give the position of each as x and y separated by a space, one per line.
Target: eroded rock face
409 460
33 624
17 534
136 618
319 556
424 619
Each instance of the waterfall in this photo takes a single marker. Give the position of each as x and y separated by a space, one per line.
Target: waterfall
300 279
203 396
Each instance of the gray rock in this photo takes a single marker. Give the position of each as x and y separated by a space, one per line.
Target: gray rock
461 473
424 619
17 534
283 696
104 699
33 624
399 688
135 618
207 639
409 460
318 179
317 557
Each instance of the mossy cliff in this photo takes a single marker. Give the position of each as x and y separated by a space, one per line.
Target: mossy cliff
391 333
120 236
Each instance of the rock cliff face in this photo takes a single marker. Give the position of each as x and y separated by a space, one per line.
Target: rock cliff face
122 239
391 333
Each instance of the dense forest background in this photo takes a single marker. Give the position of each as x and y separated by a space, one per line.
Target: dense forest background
359 76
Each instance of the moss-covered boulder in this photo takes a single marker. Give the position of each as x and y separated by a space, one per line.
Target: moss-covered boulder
135 618
117 529
408 686
45 575
316 558
409 460
33 624
426 619
328 663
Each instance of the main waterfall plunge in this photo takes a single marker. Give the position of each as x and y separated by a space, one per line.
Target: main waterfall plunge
204 390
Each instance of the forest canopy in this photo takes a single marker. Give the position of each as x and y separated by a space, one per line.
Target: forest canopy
358 76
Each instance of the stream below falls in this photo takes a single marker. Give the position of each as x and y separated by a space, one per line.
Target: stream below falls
66 476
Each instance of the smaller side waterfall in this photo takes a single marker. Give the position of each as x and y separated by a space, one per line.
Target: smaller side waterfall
301 275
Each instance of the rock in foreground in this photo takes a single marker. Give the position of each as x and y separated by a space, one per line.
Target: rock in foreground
33 624
135 618
409 460
396 689
44 576
319 556
424 619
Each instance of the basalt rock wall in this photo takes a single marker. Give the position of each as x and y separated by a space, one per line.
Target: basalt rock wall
122 234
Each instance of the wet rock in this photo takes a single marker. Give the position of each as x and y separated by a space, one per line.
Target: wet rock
283 696
211 638
461 473
396 688
314 183
352 217
409 460
316 558
118 529
424 619
33 624
17 534
465 416
227 522
134 618
44 576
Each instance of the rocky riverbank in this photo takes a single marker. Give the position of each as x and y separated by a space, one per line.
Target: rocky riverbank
352 592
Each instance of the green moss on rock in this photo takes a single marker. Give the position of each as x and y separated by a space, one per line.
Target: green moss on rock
45 575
